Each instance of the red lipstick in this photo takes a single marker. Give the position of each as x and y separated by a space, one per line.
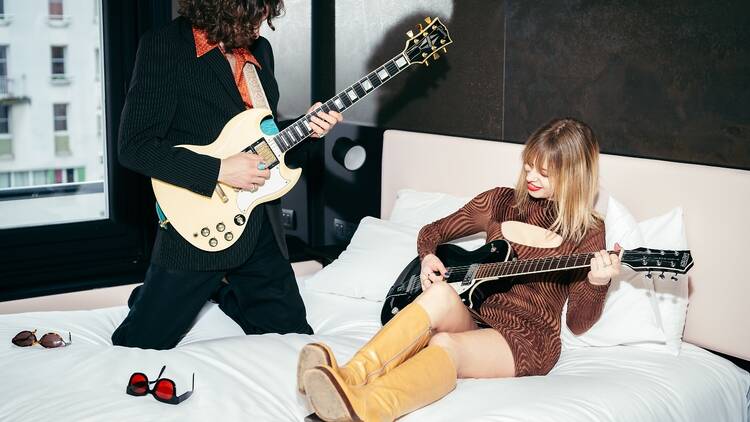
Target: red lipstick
532 188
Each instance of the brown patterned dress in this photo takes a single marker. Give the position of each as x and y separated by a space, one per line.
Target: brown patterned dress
528 315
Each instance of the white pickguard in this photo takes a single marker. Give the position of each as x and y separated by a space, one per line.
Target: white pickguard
246 198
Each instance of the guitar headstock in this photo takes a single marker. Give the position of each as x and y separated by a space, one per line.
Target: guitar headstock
427 42
644 259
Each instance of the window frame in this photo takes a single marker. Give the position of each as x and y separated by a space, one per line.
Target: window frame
68 257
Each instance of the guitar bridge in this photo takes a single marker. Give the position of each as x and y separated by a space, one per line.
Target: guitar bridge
264 150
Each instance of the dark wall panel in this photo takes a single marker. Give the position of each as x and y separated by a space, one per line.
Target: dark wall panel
460 93
667 80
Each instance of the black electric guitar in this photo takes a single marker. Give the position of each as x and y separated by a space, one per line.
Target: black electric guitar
477 274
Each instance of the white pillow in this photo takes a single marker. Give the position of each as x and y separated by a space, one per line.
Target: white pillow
417 209
667 298
629 314
376 255
668 232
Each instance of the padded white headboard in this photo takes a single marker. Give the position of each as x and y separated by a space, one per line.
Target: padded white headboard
716 203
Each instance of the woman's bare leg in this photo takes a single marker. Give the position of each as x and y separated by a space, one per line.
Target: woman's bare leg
482 353
477 353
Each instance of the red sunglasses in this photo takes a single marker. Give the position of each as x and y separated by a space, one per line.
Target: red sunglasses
164 390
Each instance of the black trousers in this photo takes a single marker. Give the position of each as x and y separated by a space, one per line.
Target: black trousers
262 297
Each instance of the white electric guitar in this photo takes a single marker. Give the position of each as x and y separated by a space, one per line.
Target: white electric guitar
215 223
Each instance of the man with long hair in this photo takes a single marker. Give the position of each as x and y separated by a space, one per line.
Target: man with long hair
189 81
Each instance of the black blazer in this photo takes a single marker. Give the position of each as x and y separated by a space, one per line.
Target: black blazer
177 98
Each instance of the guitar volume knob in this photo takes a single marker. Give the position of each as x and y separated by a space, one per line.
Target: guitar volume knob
213 242
220 227
205 232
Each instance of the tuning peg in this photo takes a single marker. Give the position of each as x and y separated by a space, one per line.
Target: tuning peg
648 275
410 34
444 50
419 26
674 277
428 20
435 56
661 276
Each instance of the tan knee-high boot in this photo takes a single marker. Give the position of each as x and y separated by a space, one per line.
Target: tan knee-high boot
405 334
421 380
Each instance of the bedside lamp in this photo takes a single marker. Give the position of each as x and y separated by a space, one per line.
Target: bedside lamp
348 153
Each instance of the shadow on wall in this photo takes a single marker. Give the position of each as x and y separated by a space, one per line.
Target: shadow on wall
418 83
460 93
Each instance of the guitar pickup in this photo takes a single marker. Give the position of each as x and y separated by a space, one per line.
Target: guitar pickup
262 148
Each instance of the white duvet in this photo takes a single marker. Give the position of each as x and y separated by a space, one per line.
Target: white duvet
252 378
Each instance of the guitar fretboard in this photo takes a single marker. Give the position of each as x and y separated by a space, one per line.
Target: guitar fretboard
300 129
531 266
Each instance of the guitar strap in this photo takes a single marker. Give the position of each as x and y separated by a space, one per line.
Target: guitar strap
254 87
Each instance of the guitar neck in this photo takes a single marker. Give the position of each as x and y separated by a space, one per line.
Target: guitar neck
534 266
300 129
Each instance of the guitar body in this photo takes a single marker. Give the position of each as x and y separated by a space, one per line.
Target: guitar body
460 276
216 223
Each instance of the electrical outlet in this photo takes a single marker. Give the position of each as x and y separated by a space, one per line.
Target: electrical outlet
343 230
287 219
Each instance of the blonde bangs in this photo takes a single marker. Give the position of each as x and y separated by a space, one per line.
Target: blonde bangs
570 152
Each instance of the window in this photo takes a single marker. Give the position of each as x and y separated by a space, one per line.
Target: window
55 9
61 117
4 120
62 140
58 61
97 66
6 142
39 177
4 69
92 233
20 179
5 20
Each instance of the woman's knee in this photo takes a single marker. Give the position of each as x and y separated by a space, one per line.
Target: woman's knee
442 295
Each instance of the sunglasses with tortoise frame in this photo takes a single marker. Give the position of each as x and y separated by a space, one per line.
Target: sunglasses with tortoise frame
28 338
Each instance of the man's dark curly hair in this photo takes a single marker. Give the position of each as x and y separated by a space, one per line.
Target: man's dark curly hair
232 22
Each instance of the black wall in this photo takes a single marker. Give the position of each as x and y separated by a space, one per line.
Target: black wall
668 80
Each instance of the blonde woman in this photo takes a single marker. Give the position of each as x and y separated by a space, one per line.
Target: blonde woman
416 357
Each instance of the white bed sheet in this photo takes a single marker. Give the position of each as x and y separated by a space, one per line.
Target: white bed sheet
252 378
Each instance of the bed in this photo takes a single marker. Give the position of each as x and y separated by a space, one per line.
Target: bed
252 378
